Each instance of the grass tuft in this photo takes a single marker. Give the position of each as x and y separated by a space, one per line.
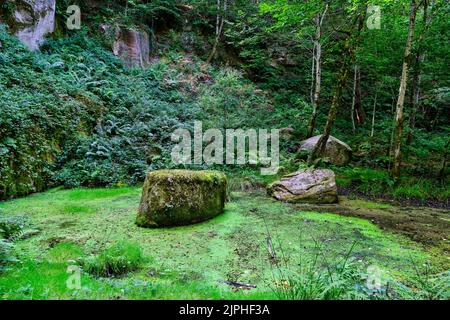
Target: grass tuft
121 258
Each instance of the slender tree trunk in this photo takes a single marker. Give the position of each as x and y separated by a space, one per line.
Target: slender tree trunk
372 131
313 78
348 57
418 61
220 20
399 117
359 110
391 141
317 71
352 112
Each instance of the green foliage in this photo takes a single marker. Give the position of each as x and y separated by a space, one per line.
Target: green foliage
46 280
426 285
117 260
64 252
39 111
378 182
72 115
231 101
364 179
11 227
317 279
87 82
98 132
6 253
421 188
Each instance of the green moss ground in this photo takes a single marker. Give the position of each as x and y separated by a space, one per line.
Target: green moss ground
187 262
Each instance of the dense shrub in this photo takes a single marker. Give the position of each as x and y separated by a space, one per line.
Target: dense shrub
364 179
73 116
40 108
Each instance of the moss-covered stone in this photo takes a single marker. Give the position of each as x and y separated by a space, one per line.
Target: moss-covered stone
181 197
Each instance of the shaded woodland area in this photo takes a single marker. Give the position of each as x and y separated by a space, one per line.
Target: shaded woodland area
92 91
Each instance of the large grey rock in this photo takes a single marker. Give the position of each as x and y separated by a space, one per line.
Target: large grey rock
33 20
132 47
310 186
337 152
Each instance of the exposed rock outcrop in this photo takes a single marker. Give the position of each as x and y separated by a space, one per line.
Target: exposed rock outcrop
310 186
337 152
33 20
181 197
132 47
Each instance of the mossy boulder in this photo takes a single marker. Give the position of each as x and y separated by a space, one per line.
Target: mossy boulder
181 197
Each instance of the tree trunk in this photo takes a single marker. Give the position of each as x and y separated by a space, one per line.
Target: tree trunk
372 131
352 112
348 57
317 70
416 91
313 72
220 20
399 117
359 110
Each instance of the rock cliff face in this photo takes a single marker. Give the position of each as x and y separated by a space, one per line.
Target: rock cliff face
33 20
133 47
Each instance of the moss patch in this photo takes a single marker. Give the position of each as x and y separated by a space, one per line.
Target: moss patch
189 262
428 226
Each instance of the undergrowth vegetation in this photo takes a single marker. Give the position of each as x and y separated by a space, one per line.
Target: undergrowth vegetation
376 182
12 229
73 116
117 260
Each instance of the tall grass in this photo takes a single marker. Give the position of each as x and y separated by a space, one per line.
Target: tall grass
117 260
316 278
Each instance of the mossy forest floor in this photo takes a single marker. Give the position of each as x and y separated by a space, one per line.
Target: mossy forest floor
194 262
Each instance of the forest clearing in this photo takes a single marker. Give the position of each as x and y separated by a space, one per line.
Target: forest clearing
224 150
